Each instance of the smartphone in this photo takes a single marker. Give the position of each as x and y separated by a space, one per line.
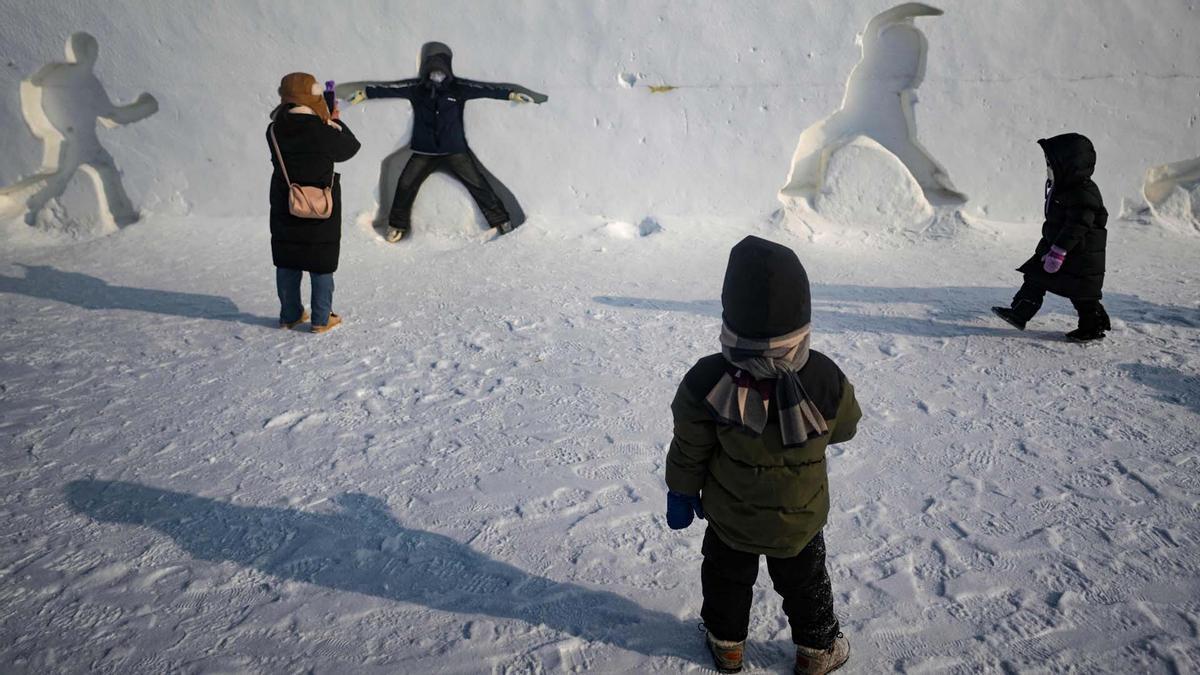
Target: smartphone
330 97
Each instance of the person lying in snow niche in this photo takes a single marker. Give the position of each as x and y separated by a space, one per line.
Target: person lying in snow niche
439 141
1069 259
306 139
748 453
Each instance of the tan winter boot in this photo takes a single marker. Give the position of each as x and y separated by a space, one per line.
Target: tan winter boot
334 320
811 661
727 654
292 324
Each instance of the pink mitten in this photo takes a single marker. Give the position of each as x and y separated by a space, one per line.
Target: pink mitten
1053 261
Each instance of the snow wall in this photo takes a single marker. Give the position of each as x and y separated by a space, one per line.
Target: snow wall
750 77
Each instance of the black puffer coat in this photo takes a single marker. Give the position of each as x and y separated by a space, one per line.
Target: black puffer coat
310 148
1075 221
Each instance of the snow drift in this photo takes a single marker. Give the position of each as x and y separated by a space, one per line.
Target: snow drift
656 108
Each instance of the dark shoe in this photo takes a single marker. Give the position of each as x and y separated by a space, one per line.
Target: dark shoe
1085 335
293 324
505 227
811 661
1105 322
727 654
1011 316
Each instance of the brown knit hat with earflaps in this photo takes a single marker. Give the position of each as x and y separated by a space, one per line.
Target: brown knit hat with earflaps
302 89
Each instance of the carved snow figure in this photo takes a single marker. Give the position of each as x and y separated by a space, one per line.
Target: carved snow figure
879 104
439 141
1173 193
61 103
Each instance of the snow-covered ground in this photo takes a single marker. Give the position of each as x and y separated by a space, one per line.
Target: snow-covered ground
467 476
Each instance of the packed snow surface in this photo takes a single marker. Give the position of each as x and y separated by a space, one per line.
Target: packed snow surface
467 476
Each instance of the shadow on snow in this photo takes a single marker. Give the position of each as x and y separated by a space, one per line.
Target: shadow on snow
361 548
88 292
950 310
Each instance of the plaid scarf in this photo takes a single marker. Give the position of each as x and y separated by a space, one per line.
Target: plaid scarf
762 369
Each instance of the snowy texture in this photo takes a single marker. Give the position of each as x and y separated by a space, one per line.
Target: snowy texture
867 186
749 78
1173 194
62 103
467 476
880 102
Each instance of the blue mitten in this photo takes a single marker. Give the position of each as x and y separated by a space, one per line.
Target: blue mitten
681 508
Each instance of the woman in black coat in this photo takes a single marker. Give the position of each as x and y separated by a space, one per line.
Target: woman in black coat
1069 260
310 139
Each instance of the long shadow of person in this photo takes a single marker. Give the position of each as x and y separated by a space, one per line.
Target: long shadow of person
88 292
361 548
1174 387
948 307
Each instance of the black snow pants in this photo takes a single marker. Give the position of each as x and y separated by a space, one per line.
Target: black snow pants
463 166
1029 298
727 577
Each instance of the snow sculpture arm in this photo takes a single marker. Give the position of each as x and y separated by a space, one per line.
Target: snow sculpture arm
145 106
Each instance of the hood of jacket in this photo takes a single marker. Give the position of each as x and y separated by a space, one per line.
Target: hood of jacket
766 292
1071 156
436 56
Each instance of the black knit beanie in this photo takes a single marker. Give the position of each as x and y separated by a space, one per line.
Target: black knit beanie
766 293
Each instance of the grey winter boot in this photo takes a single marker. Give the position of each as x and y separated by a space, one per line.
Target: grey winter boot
811 661
727 654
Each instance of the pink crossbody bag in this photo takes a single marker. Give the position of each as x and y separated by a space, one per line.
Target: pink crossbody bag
305 201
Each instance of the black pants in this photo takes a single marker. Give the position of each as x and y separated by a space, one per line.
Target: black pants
727 577
462 166
1029 298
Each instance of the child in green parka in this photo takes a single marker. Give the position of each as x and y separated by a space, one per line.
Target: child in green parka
748 454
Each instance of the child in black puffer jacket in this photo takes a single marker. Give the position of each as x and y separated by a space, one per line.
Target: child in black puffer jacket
1069 260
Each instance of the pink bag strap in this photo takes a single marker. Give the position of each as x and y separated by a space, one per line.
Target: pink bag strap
279 155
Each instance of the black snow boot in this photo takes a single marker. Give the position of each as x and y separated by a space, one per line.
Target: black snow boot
1019 314
1085 335
1092 323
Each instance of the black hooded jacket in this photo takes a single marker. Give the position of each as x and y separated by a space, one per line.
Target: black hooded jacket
438 107
1075 221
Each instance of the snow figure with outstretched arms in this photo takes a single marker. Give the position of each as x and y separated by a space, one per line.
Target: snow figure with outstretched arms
439 141
62 102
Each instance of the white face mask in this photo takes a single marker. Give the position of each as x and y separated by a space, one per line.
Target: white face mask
437 76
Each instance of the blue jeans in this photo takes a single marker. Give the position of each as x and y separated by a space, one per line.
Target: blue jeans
291 308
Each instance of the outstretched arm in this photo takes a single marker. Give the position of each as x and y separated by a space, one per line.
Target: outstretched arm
356 92
145 106
501 91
